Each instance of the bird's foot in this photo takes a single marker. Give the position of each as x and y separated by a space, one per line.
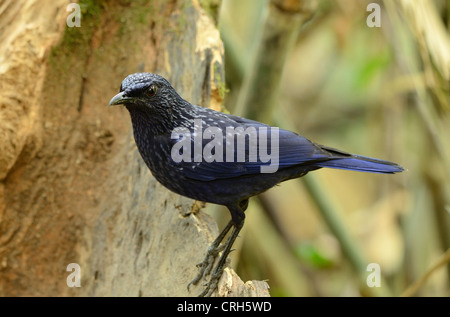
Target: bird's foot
211 286
212 254
207 264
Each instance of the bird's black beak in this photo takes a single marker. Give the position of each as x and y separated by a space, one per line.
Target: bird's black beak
120 99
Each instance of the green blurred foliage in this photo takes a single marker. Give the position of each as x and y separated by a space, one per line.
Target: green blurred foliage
310 254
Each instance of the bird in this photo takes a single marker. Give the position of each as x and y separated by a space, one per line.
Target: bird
220 158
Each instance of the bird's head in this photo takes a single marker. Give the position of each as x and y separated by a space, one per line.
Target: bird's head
147 93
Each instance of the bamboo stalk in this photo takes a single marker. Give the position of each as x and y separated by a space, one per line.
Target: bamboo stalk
261 83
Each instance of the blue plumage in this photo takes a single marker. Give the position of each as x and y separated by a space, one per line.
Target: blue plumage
293 151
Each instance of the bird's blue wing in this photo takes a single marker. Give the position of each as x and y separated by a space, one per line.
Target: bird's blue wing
284 150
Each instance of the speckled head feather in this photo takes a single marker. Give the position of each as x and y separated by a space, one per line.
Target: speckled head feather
142 79
151 101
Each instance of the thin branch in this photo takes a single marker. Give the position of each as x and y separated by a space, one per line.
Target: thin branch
412 289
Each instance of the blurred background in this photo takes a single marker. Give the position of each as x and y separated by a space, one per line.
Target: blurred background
318 68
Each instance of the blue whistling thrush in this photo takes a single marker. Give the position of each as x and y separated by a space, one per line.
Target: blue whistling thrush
162 120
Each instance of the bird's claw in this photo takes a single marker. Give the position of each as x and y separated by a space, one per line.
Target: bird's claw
206 267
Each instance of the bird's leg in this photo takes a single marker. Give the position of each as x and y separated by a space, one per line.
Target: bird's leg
218 270
213 251
237 222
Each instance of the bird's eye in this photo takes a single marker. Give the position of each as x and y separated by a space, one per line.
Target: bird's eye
151 91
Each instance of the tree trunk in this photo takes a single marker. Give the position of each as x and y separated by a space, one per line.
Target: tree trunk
73 188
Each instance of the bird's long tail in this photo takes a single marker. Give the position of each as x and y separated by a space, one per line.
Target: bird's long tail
342 160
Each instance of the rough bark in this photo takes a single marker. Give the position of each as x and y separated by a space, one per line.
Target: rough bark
73 188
